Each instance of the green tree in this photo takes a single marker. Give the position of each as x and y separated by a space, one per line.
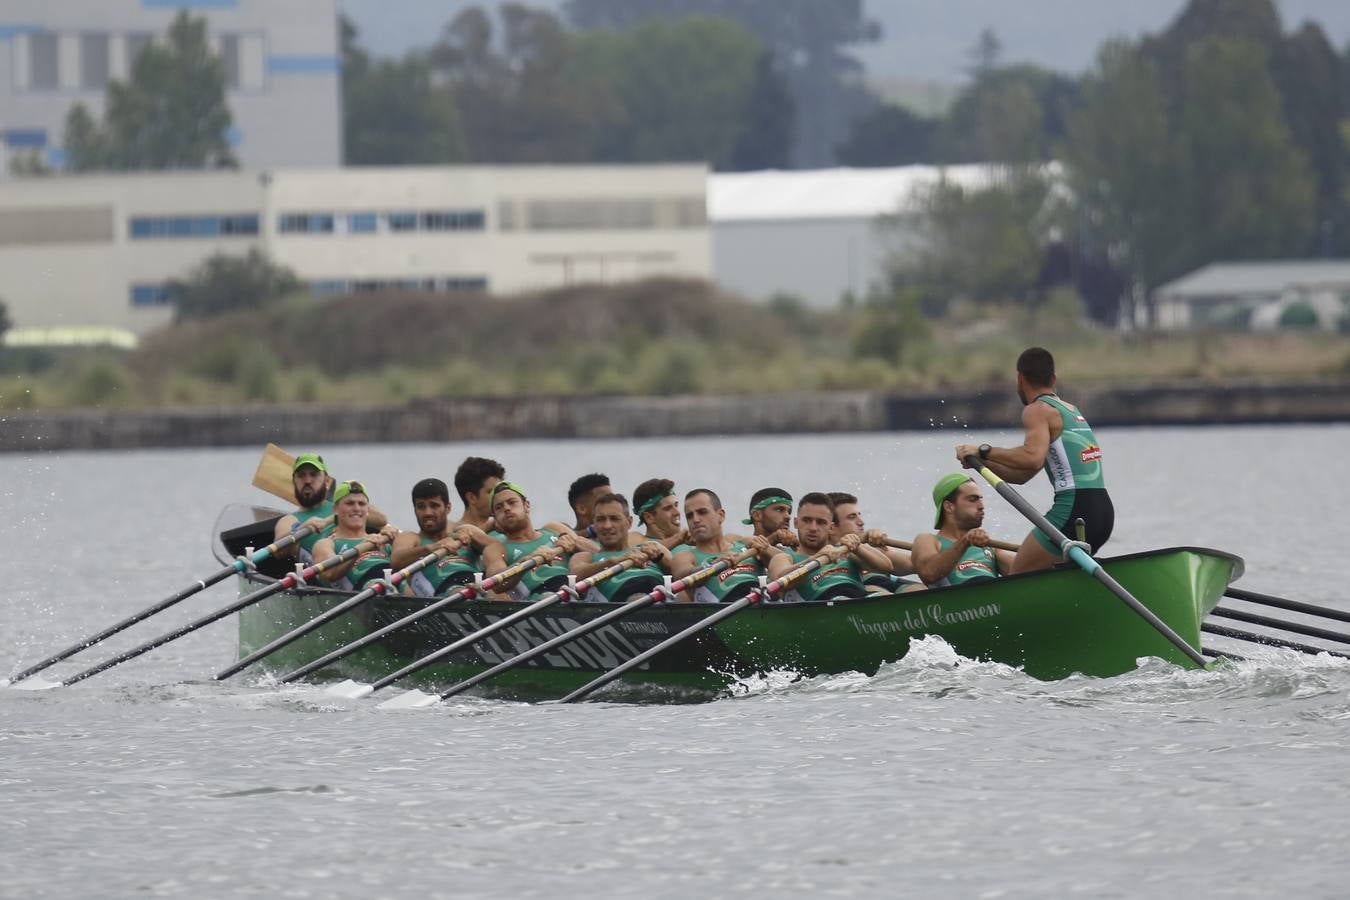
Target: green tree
889 136
697 116
892 324
810 39
224 284
171 113
5 323
392 113
770 114
1011 114
29 165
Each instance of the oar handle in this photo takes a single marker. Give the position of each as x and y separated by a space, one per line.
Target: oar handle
906 545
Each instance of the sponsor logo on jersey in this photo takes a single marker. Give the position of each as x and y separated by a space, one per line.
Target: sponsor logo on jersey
967 564
1090 453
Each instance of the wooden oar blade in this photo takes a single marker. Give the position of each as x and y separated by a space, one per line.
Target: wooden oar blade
274 474
413 699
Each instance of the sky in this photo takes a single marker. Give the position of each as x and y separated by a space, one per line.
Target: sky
924 40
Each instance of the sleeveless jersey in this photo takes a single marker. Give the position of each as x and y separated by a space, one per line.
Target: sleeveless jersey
370 564
304 515
975 564
717 588
633 580
449 571
539 576
1074 460
825 578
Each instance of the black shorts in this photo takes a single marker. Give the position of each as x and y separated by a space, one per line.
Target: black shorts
452 581
842 592
639 584
1094 507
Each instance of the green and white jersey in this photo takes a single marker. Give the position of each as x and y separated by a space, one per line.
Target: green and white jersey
975 564
824 578
1074 459
370 564
535 578
716 589
633 580
449 572
306 544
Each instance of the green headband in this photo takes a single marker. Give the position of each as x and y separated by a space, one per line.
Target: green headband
766 503
349 487
652 503
505 486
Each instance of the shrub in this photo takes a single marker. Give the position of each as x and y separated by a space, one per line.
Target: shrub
1299 315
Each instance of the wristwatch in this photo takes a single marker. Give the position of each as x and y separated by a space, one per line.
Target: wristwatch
983 450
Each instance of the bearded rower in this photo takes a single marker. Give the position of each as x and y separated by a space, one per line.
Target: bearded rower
1060 441
771 514
705 517
550 544
351 506
613 523
310 483
469 549
960 551
842 575
848 519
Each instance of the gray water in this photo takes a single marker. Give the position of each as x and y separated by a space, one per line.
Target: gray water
938 777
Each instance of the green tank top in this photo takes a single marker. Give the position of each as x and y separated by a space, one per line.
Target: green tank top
826 576
370 564
465 559
976 563
304 515
612 586
1074 460
721 584
518 550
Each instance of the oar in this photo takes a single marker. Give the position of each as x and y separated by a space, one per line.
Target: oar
750 599
415 697
258 596
355 600
1253 637
1311 609
998 545
457 596
1084 559
571 592
1293 627
275 473
238 565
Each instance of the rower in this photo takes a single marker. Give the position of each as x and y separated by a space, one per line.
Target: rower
474 480
311 483
841 577
848 519
705 517
351 506
1060 441
960 551
613 523
470 550
551 544
658 509
581 497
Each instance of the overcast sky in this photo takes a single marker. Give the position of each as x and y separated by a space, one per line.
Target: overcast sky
923 40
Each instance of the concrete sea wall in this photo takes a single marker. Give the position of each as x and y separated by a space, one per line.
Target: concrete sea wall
461 419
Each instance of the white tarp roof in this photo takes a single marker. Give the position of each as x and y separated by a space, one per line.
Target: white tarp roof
829 193
1227 279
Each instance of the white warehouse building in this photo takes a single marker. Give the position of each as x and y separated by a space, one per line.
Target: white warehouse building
98 251
281 58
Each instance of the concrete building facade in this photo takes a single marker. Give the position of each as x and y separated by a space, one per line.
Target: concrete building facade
281 57
98 251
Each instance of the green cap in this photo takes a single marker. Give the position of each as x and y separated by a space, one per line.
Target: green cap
348 487
946 484
309 459
505 486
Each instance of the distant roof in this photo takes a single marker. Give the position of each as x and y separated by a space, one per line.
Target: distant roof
828 193
1270 277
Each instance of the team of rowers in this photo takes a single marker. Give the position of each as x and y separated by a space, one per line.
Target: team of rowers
495 532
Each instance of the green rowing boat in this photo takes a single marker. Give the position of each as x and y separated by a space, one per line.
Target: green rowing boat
1050 624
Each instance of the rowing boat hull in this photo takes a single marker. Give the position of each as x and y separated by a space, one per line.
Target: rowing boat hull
1050 624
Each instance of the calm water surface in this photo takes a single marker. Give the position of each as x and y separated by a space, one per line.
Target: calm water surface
938 777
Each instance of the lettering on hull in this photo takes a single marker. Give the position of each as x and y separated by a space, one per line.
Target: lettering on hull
920 620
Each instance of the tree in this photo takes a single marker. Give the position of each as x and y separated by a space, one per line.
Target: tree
392 112
770 114
29 165
224 284
985 55
170 114
1011 114
889 136
5 323
809 39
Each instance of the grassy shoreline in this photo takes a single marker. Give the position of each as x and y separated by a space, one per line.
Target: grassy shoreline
653 338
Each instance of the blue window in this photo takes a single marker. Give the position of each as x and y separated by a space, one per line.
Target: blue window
328 287
363 223
25 138
401 221
306 223
150 295
452 285
143 227
453 220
